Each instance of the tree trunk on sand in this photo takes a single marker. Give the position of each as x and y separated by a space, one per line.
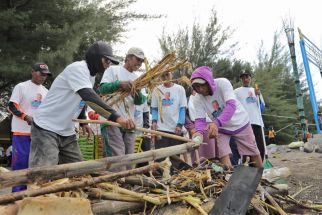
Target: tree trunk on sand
85 167
116 207
11 197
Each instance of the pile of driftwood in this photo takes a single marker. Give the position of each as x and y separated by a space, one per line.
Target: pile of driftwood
158 188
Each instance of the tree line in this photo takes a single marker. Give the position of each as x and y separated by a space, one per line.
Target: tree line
59 31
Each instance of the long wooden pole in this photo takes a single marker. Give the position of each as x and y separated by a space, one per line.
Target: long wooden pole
11 197
160 133
85 167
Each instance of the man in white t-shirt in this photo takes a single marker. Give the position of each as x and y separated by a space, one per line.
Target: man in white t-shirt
168 107
120 141
217 99
53 139
24 101
254 104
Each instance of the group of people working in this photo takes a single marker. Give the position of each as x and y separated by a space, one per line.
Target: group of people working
44 130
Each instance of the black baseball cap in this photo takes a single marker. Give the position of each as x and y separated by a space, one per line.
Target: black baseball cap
41 67
245 72
106 50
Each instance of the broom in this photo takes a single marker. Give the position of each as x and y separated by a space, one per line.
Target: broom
266 163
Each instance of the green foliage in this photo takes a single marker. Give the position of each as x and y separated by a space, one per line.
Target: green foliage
230 69
201 46
273 75
56 32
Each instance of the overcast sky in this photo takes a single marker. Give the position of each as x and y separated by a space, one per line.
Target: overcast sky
252 20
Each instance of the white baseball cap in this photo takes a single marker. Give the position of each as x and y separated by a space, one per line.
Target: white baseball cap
137 52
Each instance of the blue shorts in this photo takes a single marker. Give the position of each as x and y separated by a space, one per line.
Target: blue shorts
20 156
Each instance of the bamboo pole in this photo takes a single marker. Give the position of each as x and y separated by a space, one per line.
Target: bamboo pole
100 194
142 196
85 167
160 133
11 197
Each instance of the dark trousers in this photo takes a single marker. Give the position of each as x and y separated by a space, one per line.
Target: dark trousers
145 146
166 142
257 130
235 154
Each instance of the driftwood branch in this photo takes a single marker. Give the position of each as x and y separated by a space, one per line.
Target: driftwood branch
85 167
116 207
297 193
11 197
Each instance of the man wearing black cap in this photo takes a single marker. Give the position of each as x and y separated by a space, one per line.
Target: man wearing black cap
253 102
53 139
25 99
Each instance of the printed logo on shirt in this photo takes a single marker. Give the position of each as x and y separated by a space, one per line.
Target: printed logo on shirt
167 100
217 109
251 98
82 104
35 103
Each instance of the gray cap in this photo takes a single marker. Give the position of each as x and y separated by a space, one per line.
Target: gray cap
137 52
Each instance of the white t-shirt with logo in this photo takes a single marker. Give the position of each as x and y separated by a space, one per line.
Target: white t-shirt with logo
192 109
213 105
125 108
248 98
172 99
62 103
28 96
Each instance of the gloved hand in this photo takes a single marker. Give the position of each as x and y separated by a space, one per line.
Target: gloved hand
198 138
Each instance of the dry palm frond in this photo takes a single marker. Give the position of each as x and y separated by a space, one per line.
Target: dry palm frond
183 80
149 79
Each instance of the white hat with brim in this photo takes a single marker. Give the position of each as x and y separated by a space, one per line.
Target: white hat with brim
137 52
198 81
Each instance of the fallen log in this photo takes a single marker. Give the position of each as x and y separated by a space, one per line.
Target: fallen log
100 194
11 197
116 207
85 167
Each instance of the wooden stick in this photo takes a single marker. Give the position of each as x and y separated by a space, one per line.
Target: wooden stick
297 193
85 167
11 197
271 199
116 207
298 203
142 196
100 194
189 200
258 207
176 137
